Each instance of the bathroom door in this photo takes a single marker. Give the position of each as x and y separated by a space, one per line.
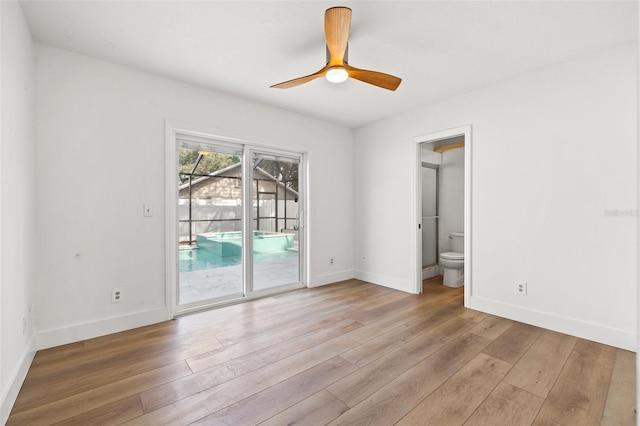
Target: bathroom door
429 215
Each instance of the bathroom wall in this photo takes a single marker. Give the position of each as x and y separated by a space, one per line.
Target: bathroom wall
429 156
451 196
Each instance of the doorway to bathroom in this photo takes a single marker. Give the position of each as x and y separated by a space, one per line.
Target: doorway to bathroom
443 208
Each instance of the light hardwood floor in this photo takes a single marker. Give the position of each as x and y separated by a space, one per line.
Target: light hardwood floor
345 354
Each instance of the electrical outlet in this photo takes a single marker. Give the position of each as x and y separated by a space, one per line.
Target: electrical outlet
116 295
147 210
331 261
521 287
24 326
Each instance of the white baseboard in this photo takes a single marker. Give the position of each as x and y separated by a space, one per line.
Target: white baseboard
430 272
88 330
385 281
10 393
623 339
331 278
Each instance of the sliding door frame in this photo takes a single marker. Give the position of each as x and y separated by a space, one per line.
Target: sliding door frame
173 131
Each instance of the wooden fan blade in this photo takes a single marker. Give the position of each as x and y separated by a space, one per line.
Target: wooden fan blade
386 81
337 22
301 80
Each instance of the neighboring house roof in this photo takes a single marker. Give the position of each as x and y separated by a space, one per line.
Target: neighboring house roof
222 172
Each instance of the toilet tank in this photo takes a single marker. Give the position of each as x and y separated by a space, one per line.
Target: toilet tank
457 242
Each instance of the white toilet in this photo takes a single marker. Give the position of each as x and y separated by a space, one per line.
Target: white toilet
453 261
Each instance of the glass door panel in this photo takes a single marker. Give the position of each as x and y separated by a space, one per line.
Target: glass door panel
429 215
275 221
209 223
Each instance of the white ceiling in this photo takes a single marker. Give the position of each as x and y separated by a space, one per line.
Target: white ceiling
242 47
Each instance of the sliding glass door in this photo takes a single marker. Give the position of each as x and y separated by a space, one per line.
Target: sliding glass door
239 222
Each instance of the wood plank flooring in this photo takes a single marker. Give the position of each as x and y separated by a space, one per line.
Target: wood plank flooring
346 354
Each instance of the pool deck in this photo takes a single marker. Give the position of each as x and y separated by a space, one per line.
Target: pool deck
212 283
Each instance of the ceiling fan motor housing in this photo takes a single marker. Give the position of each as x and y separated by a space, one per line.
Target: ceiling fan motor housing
345 58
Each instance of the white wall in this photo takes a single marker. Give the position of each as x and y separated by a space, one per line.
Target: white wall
100 132
451 196
428 155
17 218
552 152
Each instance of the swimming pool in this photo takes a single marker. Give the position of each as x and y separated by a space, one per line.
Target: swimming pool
222 249
201 259
226 244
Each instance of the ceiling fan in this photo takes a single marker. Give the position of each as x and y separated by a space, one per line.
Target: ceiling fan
337 21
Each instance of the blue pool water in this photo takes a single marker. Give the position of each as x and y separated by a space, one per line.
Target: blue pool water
201 258
229 244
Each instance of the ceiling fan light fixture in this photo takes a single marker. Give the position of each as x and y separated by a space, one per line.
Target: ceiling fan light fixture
337 22
337 74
